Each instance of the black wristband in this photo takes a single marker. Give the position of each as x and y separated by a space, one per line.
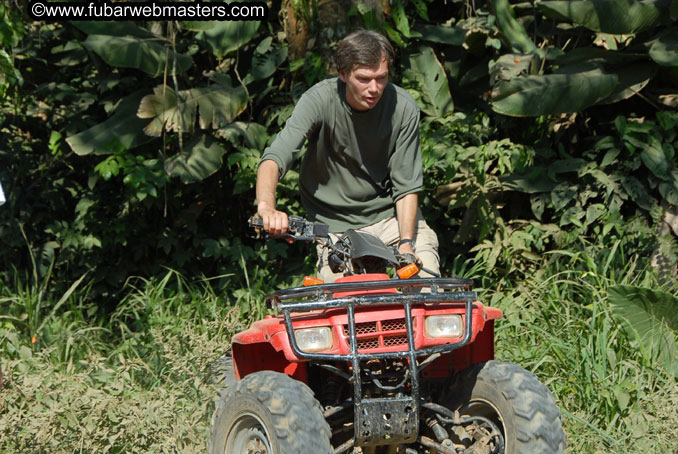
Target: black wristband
407 241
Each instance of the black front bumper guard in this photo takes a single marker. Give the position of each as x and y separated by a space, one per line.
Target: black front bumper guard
374 420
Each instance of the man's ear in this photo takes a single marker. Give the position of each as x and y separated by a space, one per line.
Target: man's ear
342 75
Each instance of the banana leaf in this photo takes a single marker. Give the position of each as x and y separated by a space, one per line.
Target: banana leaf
513 30
443 34
552 94
665 50
111 28
217 105
433 94
201 158
608 16
122 129
145 54
651 318
228 36
632 79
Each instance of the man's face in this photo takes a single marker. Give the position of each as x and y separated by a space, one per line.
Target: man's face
365 84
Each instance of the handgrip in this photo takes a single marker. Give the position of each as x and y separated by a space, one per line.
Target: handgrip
298 228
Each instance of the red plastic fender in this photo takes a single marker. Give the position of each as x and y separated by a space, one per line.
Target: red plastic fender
263 347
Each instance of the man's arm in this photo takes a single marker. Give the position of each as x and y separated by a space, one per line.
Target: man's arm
267 180
278 157
406 212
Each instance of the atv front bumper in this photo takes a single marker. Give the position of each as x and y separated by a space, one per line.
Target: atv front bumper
380 420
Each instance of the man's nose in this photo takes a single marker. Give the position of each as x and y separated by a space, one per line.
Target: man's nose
373 86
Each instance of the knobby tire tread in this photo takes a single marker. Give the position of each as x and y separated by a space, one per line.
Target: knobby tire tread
298 417
538 420
222 372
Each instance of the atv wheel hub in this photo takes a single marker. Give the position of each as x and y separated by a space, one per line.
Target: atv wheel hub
248 436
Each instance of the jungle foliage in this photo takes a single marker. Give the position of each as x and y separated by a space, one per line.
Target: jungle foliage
548 134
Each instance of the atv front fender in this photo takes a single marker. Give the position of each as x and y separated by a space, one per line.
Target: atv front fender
265 346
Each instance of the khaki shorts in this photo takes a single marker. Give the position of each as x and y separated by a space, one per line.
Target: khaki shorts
425 243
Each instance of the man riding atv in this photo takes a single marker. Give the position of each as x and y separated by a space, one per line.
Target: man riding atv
369 364
362 168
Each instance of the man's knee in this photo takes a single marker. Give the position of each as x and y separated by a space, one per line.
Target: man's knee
426 244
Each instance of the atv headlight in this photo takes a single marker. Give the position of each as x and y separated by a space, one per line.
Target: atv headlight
443 326
314 339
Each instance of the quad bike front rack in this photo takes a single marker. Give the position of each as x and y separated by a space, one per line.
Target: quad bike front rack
391 420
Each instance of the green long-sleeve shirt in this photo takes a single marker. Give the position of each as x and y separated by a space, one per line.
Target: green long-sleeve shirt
357 164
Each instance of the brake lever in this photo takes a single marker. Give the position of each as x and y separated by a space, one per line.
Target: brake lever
287 236
410 258
407 259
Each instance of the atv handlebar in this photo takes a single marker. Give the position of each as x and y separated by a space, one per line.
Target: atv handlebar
299 229
343 253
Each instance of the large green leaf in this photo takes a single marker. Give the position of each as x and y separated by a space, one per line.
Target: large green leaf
651 318
400 18
227 36
632 79
512 29
8 73
433 94
217 105
146 54
607 16
254 134
552 94
266 59
597 55
665 50
509 66
535 181
113 29
654 157
201 158
638 193
669 191
122 130
198 26
443 34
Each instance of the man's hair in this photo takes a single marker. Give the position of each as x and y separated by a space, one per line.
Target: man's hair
362 47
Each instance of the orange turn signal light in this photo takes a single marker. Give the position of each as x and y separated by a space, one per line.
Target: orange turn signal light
308 280
408 271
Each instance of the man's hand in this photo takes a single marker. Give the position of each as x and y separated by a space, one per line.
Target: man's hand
275 222
406 248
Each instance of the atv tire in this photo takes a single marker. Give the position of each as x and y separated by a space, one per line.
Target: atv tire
222 372
520 406
269 413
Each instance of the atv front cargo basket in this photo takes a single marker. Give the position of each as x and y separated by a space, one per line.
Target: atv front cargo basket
350 295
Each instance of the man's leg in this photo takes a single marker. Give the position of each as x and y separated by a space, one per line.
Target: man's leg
425 241
324 271
426 244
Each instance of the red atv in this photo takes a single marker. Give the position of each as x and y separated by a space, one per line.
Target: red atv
377 364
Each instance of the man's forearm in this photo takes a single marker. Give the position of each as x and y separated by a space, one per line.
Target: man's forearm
267 181
406 212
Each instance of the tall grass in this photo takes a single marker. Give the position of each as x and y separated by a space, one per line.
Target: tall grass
140 383
558 324
136 380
